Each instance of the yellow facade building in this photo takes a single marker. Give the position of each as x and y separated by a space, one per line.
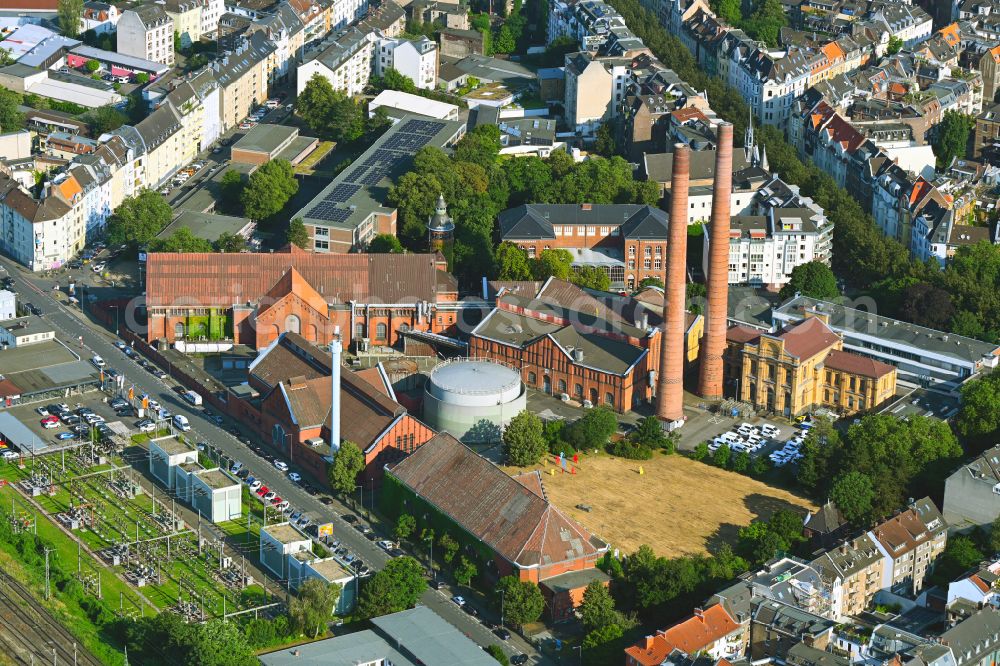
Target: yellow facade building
802 368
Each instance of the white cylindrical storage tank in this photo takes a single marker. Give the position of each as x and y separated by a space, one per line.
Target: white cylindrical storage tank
473 399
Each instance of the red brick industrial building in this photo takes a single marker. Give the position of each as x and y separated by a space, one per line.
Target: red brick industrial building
287 401
252 298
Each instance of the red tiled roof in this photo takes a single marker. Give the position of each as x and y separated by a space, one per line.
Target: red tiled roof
689 636
31 5
292 282
510 518
223 280
742 334
857 364
9 389
808 338
980 583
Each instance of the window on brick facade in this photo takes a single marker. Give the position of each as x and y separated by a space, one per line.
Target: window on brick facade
578 390
381 330
532 378
609 399
562 385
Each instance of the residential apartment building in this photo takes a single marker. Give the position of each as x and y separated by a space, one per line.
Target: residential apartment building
101 17
147 32
628 241
186 15
414 58
972 493
853 570
42 233
286 32
242 75
347 59
801 368
595 87
711 632
910 543
770 83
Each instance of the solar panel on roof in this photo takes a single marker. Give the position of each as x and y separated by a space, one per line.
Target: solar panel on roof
355 176
329 213
342 192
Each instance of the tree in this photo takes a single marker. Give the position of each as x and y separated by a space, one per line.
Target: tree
142 78
311 608
329 113
591 277
182 240
465 571
448 547
505 42
10 118
593 429
605 142
952 137
522 600
297 234
721 456
269 189
853 494
105 119
70 15
230 243
555 263
395 588
394 80
813 279
895 45
230 191
960 555
994 538
348 462
766 22
523 443
650 282
728 10
649 432
740 462
92 66
138 219
497 653
598 608
700 452
405 526
385 244
927 305
820 452
512 262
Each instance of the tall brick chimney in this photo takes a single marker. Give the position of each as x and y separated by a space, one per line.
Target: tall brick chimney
714 343
670 387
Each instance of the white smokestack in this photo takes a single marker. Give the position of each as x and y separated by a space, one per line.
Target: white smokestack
335 349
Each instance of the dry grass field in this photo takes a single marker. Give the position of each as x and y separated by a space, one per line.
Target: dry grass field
678 506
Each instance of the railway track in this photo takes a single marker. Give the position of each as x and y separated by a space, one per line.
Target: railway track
29 634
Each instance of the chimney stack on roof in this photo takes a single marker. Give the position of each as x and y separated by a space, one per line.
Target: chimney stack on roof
716 313
670 387
335 350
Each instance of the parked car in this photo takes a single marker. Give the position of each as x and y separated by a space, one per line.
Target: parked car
270 495
502 633
458 599
97 361
281 465
145 425
294 476
65 435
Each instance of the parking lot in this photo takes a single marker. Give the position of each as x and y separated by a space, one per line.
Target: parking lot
923 402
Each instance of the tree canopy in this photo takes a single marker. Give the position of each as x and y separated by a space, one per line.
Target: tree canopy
268 189
385 244
138 219
10 118
396 587
813 279
297 234
105 119
182 240
330 114
521 599
523 443
70 14
952 137
347 464
310 609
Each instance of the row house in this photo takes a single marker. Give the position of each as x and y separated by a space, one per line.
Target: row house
101 17
908 22
348 58
45 231
591 23
286 32
910 543
242 75
710 632
413 58
658 108
853 570
769 83
186 17
315 16
147 32
595 89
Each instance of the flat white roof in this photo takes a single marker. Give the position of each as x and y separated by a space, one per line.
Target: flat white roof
414 104
71 92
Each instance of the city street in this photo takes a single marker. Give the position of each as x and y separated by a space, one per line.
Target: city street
71 325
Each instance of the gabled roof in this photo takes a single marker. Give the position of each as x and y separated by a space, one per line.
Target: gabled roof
498 510
857 364
690 636
292 283
808 338
224 280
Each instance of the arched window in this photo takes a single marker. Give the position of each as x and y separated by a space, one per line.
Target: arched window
178 331
609 398
278 436
578 390
562 385
593 396
359 331
292 324
380 331
532 378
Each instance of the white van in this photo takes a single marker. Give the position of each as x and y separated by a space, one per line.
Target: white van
181 423
97 361
193 398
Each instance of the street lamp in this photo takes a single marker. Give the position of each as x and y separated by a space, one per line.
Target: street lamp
117 329
361 493
430 538
501 608
580 648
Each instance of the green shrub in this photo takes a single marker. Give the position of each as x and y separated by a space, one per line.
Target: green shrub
625 448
